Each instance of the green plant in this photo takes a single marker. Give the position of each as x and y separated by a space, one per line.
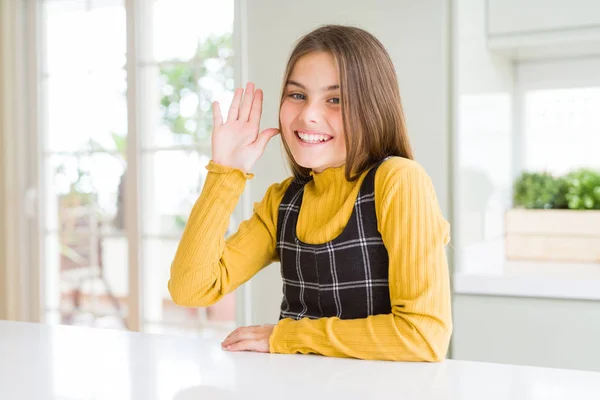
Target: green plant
539 190
583 189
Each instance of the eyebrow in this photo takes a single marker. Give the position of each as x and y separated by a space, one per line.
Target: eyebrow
301 86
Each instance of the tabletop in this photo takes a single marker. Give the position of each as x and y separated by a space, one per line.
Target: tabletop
44 362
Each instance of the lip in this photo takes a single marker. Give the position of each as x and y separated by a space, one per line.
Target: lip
311 132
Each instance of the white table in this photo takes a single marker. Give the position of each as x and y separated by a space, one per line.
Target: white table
58 362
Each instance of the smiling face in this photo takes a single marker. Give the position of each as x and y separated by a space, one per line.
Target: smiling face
311 113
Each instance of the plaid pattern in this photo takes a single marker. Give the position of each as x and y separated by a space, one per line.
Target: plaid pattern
345 278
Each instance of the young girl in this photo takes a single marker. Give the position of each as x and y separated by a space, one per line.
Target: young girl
357 229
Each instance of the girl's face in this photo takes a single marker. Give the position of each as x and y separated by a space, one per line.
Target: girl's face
311 113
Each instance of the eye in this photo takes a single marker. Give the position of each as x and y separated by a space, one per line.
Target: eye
297 96
334 100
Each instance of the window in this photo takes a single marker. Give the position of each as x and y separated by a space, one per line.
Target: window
546 119
561 129
560 124
183 61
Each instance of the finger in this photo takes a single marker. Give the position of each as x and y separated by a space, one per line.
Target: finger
233 337
235 105
242 334
241 328
244 345
264 137
247 102
232 333
217 117
256 110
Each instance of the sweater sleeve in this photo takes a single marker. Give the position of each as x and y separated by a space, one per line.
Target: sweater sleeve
419 327
206 266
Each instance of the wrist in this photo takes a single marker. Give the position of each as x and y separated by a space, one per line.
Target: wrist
220 168
229 164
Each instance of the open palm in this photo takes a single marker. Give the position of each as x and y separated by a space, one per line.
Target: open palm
237 143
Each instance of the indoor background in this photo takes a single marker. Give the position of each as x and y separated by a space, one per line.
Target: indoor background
105 128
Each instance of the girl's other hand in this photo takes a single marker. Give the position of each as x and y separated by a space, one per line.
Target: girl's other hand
249 338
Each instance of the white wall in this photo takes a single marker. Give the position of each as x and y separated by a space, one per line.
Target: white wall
416 35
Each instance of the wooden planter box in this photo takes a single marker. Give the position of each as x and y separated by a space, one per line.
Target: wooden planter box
553 235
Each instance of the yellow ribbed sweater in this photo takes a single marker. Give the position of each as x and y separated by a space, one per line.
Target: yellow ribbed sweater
207 266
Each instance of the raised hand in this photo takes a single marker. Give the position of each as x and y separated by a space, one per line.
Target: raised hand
237 142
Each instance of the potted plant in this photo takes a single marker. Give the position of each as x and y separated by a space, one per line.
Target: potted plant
555 218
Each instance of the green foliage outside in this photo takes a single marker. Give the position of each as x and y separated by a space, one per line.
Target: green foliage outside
213 64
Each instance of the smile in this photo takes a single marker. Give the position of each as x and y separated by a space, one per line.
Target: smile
313 138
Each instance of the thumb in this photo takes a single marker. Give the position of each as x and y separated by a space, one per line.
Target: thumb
264 137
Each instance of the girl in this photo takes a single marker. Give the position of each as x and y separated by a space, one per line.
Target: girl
357 228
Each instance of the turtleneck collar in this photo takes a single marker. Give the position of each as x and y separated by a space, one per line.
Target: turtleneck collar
324 180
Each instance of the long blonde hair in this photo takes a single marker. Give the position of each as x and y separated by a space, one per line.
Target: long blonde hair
372 113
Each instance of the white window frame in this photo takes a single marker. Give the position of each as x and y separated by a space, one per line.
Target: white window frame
23 214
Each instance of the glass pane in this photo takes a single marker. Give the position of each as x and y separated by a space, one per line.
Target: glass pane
108 47
85 271
107 172
68 197
84 193
188 66
181 26
179 98
562 129
77 38
85 111
86 279
158 255
167 202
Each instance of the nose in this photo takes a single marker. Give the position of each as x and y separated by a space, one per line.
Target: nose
311 113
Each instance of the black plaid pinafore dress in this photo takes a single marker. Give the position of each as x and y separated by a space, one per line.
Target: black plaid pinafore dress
346 277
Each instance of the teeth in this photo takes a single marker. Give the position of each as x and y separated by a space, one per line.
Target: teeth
311 138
